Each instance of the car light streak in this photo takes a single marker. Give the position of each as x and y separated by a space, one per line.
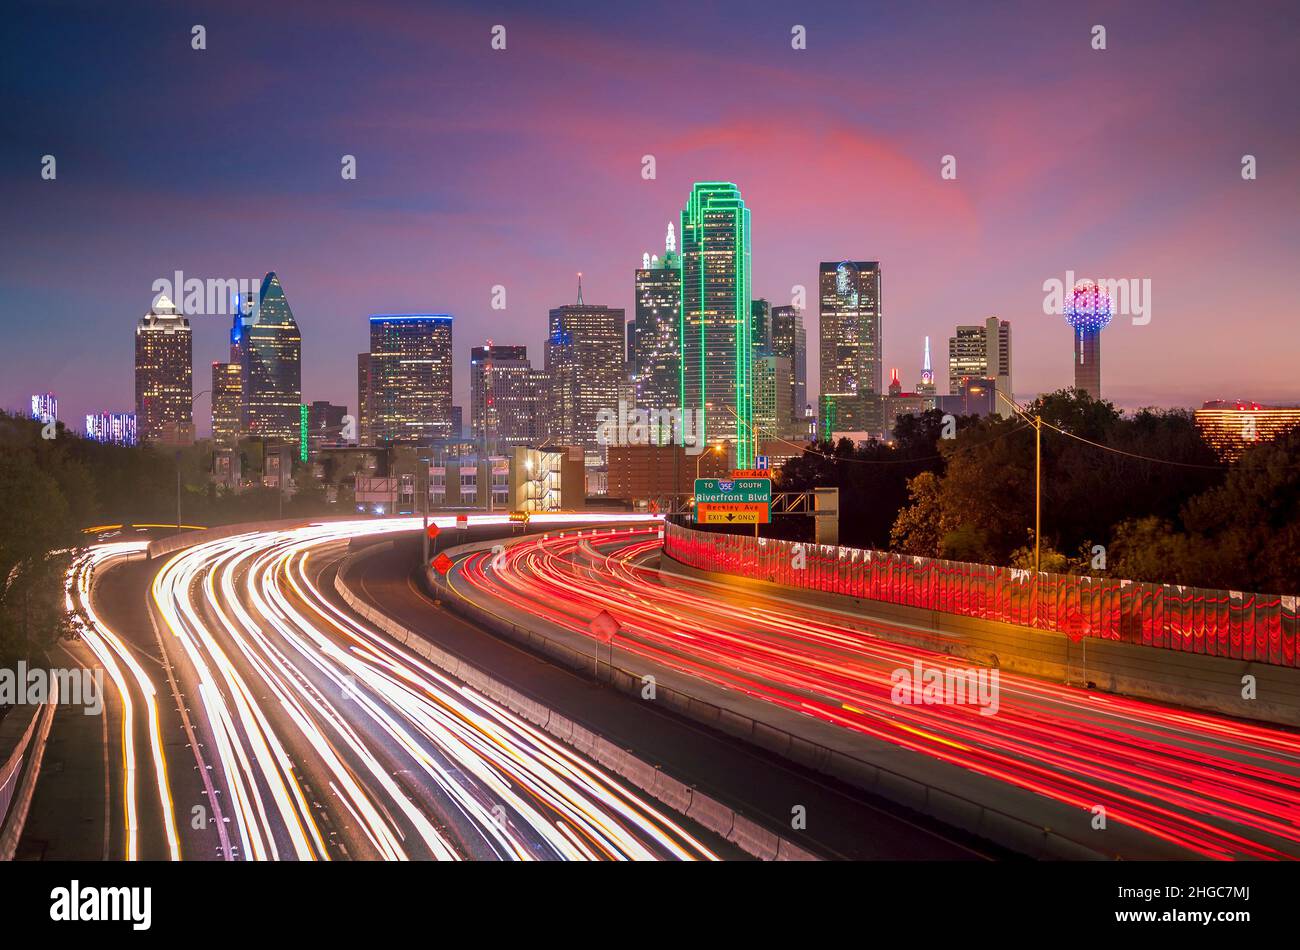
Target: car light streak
291 685
1215 786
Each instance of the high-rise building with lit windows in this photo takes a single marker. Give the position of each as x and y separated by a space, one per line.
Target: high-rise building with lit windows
271 377
508 398
164 381
410 378
657 369
850 343
716 316
227 403
761 332
790 341
584 364
117 428
45 407
851 358
982 351
364 434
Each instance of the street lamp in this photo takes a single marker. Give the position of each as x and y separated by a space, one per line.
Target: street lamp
178 461
717 450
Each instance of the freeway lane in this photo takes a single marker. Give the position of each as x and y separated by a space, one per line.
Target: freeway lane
843 822
330 741
1207 785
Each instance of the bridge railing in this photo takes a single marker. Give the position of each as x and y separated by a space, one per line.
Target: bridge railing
1261 628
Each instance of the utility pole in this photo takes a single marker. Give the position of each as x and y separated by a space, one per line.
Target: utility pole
1038 488
424 531
1037 422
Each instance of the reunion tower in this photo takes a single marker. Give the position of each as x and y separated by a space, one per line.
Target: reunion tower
1089 311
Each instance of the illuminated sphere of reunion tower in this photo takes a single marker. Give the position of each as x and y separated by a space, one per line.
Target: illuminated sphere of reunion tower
1088 310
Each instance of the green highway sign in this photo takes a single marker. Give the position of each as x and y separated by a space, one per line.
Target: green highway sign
718 491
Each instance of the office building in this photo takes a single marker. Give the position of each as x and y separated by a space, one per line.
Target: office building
584 365
410 378
717 319
789 340
773 412
164 386
117 428
982 352
271 377
761 327
508 398
657 362
227 403
851 359
364 434
45 407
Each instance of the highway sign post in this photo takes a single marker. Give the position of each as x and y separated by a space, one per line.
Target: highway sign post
733 501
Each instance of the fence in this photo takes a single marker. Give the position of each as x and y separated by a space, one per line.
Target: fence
1244 626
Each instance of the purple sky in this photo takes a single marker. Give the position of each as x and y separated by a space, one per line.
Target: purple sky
479 167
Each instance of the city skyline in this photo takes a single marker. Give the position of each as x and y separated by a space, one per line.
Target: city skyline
1059 167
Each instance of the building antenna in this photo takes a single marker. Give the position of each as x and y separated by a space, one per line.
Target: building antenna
579 288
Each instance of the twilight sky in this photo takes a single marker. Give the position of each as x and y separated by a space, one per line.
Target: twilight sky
521 167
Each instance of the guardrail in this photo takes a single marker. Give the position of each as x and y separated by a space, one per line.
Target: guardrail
18 784
1260 628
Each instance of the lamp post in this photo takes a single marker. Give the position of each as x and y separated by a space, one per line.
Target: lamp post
178 462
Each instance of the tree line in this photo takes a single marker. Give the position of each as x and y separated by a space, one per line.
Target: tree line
1140 496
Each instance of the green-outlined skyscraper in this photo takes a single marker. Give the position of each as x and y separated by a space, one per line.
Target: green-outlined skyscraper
716 324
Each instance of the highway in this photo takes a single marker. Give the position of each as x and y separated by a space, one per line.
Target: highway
842 822
1206 785
317 738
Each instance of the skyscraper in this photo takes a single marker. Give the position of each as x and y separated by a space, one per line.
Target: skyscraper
508 398
410 377
365 433
982 352
227 403
716 323
584 363
164 383
45 407
118 428
271 350
851 358
789 340
773 413
658 354
761 334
